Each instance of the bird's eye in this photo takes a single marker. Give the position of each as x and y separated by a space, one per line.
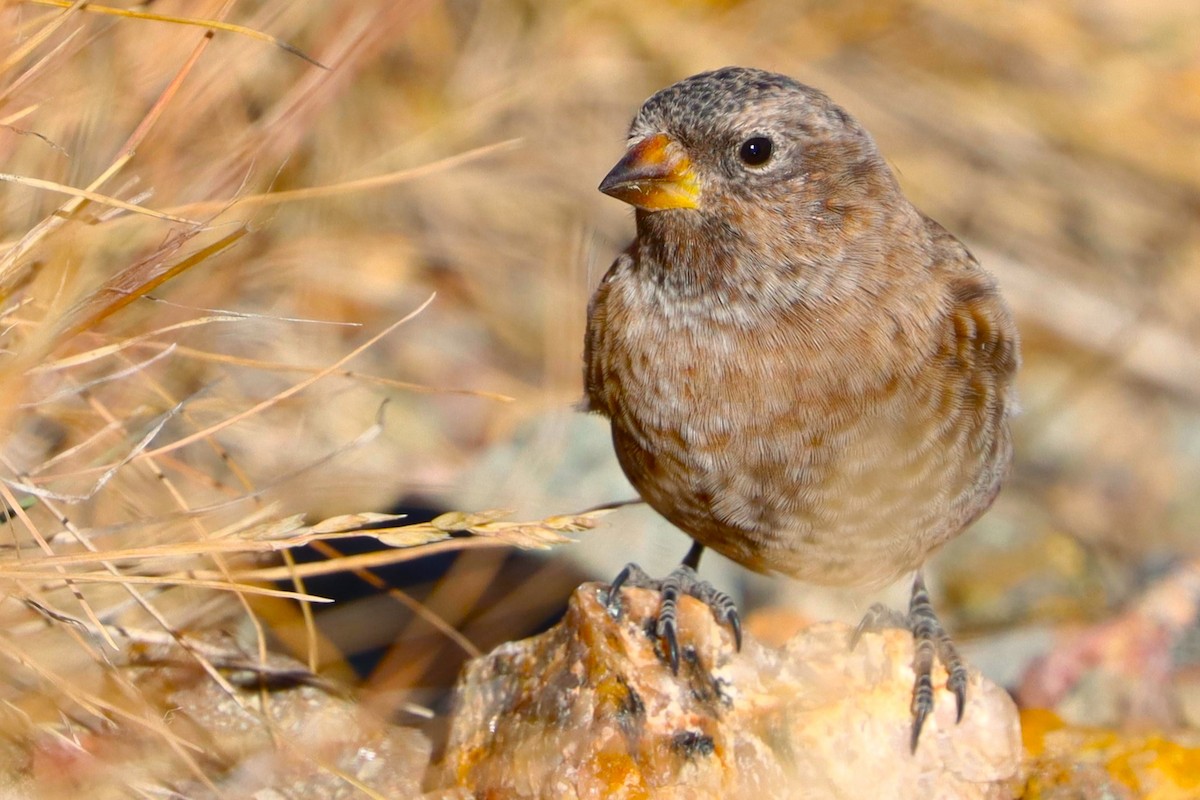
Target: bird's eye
755 151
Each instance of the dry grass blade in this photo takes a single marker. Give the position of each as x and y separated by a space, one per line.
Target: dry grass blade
96 197
290 391
140 279
107 350
22 484
271 366
118 375
43 33
474 530
211 24
52 578
14 251
355 186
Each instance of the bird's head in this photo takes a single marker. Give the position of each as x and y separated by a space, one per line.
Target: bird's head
757 155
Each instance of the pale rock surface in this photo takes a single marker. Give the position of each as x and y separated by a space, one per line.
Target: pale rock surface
302 740
305 743
590 710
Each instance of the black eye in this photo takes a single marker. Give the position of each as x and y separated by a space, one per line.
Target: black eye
755 151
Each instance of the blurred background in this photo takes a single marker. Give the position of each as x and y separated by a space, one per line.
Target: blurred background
255 217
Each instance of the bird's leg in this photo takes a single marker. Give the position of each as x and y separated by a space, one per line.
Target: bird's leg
683 580
930 640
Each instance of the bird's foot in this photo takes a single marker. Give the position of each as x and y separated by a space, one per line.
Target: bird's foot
930 641
682 581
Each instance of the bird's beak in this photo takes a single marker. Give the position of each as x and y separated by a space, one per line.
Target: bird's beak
654 175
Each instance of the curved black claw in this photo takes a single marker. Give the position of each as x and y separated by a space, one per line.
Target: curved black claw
682 581
920 712
957 683
631 574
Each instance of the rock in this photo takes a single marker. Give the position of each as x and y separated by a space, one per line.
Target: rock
317 745
1069 762
1134 670
296 740
589 709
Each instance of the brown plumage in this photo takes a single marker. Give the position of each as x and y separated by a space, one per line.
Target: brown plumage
803 371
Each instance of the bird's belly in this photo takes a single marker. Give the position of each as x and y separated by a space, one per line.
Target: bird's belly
843 491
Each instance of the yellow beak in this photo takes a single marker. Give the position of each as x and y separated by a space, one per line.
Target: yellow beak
654 175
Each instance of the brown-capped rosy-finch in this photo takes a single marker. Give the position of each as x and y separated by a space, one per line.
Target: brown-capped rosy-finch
802 371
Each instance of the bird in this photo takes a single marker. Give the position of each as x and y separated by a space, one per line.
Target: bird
801 370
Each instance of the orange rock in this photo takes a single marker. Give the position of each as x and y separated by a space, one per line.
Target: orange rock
1070 761
590 710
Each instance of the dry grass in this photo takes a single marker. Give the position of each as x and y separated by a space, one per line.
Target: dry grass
217 261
